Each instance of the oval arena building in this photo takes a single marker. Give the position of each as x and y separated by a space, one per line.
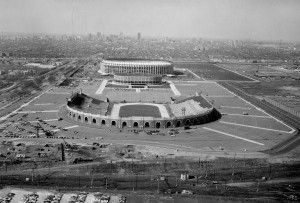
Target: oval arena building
195 110
136 66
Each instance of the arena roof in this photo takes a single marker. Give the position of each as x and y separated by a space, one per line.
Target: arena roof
137 60
137 74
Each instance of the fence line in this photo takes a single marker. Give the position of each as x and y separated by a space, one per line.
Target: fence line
281 106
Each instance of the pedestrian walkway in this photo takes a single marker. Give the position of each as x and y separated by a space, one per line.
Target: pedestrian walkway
174 89
102 86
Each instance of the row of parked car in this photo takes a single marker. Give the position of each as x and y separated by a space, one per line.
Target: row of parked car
101 198
55 198
7 198
79 198
30 198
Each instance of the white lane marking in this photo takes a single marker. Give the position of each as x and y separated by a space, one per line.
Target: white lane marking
38 121
46 111
292 129
219 96
232 114
59 93
250 126
180 84
230 135
57 130
174 89
74 126
196 81
235 107
195 74
101 87
44 104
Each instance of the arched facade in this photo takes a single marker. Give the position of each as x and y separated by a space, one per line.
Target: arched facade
106 121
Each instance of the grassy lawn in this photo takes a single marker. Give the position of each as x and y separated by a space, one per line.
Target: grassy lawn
139 110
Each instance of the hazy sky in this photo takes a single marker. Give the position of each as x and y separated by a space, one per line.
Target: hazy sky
256 19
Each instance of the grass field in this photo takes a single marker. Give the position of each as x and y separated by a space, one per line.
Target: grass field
139 110
212 72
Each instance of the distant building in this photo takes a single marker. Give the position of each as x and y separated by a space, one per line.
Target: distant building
90 36
21 156
99 34
139 36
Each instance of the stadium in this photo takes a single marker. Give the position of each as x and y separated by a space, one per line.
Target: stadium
125 110
144 66
136 71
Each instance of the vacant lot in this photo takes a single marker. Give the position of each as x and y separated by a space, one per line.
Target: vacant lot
212 72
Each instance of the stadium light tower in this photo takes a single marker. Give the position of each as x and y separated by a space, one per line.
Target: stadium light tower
183 111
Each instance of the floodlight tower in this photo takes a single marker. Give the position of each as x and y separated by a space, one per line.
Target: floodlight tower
183 111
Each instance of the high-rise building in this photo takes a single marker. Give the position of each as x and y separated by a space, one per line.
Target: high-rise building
139 36
90 36
99 34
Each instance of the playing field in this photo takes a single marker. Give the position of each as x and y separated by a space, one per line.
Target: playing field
139 110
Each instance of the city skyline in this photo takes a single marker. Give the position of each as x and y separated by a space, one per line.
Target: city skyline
229 19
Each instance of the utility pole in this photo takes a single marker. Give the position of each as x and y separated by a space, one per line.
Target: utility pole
214 174
106 183
92 179
132 181
206 170
270 170
158 185
136 180
241 174
110 166
132 174
32 175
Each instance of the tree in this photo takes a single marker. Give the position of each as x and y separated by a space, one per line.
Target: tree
38 81
51 79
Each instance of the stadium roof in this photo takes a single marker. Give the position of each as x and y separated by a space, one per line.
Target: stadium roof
136 60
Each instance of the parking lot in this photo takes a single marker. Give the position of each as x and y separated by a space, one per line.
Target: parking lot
9 195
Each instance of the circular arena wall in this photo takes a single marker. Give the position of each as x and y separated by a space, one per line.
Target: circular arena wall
137 79
133 66
143 122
